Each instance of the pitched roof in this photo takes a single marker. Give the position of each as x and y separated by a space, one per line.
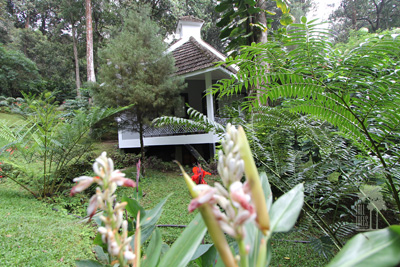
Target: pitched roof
191 18
192 56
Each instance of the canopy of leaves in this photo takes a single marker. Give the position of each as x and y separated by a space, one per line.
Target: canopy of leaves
244 22
17 73
373 14
357 92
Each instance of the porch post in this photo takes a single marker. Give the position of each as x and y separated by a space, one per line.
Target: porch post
210 108
209 97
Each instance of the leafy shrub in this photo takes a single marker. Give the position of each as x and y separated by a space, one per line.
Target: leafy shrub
47 144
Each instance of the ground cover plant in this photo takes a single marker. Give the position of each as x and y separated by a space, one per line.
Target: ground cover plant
32 234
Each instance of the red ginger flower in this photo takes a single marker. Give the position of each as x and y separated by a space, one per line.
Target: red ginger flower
199 174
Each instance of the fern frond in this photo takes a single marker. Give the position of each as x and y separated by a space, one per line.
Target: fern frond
197 122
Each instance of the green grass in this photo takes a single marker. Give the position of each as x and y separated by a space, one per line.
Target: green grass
10 117
158 185
286 252
108 146
32 234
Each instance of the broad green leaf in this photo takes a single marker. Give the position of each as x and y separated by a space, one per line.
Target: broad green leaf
97 241
154 214
253 237
133 207
267 189
286 209
223 6
153 251
270 12
250 2
376 248
146 231
208 258
280 4
164 249
88 263
186 245
148 222
100 255
201 250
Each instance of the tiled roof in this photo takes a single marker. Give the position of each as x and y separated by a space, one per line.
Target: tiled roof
192 56
191 18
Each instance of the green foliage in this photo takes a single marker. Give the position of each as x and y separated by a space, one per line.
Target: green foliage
356 92
357 14
357 38
185 246
17 73
371 249
244 22
196 120
138 74
46 144
51 58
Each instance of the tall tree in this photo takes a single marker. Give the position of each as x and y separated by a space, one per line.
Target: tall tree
72 12
89 43
17 73
372 14
136 71
245 21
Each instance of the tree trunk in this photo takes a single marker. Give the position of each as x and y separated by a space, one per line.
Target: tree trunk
77 77
354 16
43 23
27 20
261 37
89 43
260 17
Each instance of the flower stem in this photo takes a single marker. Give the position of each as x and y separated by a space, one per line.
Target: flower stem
244 259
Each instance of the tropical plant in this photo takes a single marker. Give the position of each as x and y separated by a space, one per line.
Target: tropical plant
40 148
294 149
245 211
356 92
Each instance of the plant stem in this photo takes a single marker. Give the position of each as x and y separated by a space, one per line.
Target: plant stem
244 259
23 186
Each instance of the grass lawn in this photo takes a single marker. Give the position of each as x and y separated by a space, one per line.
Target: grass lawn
10 117
32 234
158 185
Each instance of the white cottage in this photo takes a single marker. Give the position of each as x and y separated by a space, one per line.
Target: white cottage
195 61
